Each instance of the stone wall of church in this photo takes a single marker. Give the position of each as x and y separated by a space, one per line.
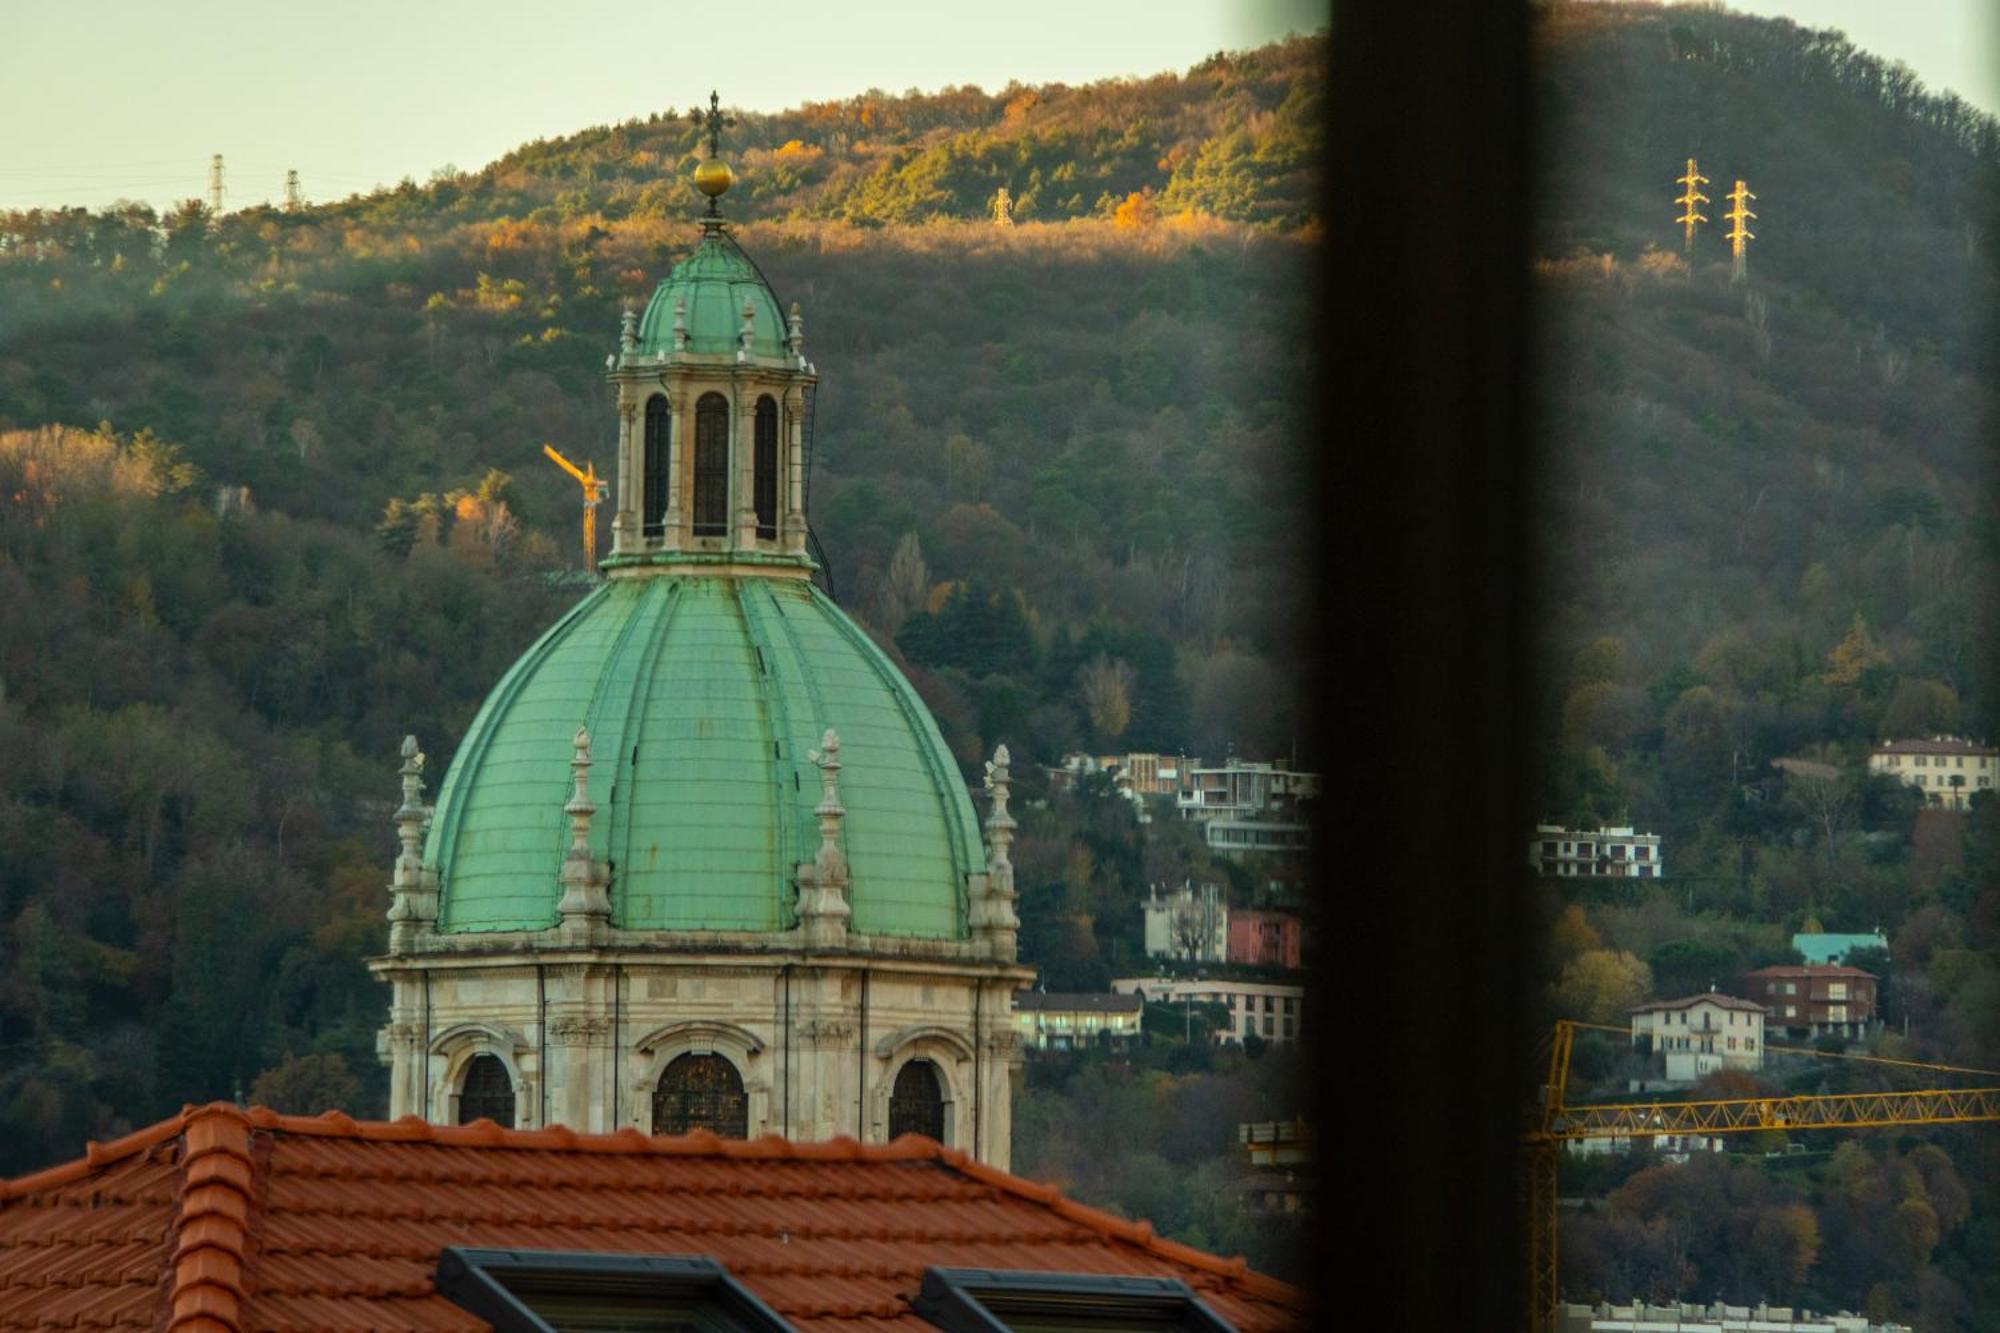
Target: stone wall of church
817 1041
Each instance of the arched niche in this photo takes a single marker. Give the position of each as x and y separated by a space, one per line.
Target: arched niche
650 1056
948 1055
455 1048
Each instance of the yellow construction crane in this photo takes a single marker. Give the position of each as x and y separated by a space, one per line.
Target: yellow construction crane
1554 1123
593 493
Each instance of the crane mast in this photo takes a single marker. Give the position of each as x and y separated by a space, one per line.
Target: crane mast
1554 1123
593 494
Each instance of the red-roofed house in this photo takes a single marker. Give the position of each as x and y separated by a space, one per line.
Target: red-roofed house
1700 1034
1816 999
226 1219
1947 769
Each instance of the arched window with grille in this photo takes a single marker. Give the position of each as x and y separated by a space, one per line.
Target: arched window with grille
764 467
916 1103
653 492
711 466
486 1091
701 1092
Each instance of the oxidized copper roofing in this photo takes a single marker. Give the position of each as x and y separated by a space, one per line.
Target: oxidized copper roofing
227 1219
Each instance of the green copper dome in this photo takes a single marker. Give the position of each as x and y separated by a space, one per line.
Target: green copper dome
715 280
703 695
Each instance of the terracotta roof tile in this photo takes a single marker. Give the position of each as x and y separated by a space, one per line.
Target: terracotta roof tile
225 1219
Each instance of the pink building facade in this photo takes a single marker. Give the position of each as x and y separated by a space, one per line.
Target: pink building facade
1266 939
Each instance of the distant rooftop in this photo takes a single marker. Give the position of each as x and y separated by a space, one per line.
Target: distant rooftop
1097 1002
1706 997
1936 745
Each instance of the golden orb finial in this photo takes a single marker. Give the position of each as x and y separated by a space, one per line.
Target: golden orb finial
713 177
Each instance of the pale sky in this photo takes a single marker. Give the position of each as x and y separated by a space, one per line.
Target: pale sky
117 98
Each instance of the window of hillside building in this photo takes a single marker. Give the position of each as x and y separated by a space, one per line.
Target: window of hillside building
711 466
764 467
1836 990
1836 1013
701 1092
916 1103
965 1300
1922 761
1791 1011
486 1092
653 498
534 1291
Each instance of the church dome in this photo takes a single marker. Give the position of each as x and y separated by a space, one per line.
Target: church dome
703 695
714 280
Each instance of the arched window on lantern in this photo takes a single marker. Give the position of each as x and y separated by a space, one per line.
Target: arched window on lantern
764 467
701 1091
653 495
486 1091
711 466
916 1103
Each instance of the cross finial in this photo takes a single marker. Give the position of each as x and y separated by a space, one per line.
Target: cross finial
713 122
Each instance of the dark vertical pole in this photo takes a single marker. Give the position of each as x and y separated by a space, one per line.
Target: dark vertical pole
1422 663
427 1044
617 1050
786 1113
541 1046
861 1069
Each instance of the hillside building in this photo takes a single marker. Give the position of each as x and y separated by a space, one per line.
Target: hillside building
1948 770
1700 1034
1260 938
703 859
1618 852
1714 1318
1054 1021
1815 1000
1264 1009
1190 923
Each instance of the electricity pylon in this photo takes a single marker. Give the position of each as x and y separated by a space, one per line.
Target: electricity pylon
593 493
1739 235
1688 201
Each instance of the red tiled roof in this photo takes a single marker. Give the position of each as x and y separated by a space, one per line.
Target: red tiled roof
1710 997
1797 970
222 1219
1936 745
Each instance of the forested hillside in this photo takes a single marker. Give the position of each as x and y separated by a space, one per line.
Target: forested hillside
1768 531
271 495
316 516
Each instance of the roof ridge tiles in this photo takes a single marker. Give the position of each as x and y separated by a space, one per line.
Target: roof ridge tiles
220 1177
212 1229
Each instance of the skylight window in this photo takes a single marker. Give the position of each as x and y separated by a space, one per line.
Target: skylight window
535 1291
978 1300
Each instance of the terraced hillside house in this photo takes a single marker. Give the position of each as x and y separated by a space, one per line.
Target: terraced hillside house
223 1218
703 860
1059 1021
1948 770
1815 1000
1699 1034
